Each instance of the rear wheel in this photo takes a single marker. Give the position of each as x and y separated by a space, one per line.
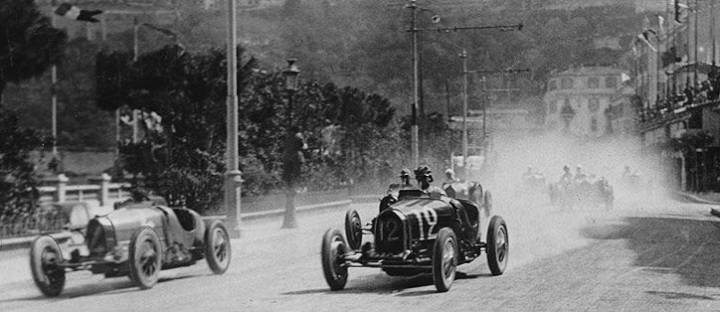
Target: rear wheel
353 229
444 261
497 245
333 259
217 247
145 257
45 259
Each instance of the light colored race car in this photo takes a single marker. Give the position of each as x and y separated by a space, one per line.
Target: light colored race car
137 240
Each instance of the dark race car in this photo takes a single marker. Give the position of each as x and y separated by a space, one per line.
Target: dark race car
136 240
421 232
583 193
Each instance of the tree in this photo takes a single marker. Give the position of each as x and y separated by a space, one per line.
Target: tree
28 42
183 160
18 193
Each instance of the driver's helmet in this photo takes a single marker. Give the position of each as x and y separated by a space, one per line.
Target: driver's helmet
405 173
450 174
566 168
423 173
139 194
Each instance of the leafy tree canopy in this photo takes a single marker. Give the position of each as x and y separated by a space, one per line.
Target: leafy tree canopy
28 42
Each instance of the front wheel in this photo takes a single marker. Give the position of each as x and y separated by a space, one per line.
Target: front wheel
45 259
497 245
353 229
444 261
217 247
145 257
333 259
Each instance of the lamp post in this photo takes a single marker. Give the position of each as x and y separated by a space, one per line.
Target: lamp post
464 57
567 113
293 145
233 178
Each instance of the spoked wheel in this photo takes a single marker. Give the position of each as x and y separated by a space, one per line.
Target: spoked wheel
444 261
217 247
145 257
353 229
45 259
497 245
333 259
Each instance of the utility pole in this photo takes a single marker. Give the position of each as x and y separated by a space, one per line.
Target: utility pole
464 57
485 90
136 55
414 131
53 91
54 108
447 100
414 30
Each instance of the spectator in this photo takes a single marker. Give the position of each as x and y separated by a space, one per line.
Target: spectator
688 96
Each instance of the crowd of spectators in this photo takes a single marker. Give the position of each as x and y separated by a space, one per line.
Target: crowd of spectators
689 96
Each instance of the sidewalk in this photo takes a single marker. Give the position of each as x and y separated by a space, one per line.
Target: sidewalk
707 198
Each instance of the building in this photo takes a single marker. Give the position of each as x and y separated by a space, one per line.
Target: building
679 86
577 99
622 112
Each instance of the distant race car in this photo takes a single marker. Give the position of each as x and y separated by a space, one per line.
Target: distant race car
138 239
419 233
569 195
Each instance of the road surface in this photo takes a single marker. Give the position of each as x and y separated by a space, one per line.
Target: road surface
657 255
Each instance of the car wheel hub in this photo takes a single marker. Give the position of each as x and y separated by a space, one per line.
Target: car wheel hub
448 259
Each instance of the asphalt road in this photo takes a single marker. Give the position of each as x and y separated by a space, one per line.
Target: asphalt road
646 255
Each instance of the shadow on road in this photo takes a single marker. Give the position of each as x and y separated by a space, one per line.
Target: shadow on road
678 295
669 244
117 285
384 284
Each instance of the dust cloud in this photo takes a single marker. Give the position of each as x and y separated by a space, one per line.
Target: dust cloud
539 229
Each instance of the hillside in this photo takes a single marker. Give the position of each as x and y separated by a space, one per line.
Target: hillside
363 44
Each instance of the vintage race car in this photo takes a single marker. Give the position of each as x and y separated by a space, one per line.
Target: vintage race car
418 233
569 195
137 239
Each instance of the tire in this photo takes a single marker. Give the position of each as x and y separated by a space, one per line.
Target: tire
444 260
332 258
45 257
497 245
353 229
145 257
218 251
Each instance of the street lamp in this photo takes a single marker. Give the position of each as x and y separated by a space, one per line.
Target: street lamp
293 145
567 113
233 177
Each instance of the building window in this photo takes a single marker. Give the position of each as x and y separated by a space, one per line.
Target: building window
610 82
593 104
566 83
552 107
593 124
552 85
593 83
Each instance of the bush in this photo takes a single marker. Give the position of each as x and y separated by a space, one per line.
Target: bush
18 192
